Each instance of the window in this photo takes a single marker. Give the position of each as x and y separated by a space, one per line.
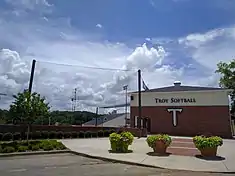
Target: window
132 97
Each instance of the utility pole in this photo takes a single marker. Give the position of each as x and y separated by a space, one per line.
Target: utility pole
96 116
125 88
74 100
139 102
32 75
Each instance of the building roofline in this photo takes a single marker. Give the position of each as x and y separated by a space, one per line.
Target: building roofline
190 91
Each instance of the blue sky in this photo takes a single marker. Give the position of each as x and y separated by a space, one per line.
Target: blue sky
167 39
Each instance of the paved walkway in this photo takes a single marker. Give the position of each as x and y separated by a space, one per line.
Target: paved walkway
99 147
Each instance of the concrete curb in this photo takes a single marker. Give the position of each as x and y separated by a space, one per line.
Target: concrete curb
139 164
33 153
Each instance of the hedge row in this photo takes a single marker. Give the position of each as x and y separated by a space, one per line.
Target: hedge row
54 135
36 145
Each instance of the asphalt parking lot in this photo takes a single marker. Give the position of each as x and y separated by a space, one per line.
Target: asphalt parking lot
71 165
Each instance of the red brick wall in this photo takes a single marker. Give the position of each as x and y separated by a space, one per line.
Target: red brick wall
193 120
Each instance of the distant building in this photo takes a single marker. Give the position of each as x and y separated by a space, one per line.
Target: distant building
114 119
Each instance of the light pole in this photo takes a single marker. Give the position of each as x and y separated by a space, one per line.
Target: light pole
125 88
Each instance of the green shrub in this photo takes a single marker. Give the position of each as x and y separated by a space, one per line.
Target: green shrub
8 149
202 142
7 137
35 147
81 134
36 135
60 135
67 135
48 147
100 133
94 134
106 133
52 135
121 142
22 148
16 136
44 134
87 134
1 135
0 148
74 134
112 131
151 140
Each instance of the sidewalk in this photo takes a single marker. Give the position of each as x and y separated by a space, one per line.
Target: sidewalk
98 147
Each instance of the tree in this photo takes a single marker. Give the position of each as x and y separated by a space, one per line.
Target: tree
227 80
28 107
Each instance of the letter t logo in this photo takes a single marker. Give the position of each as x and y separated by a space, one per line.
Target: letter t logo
174 115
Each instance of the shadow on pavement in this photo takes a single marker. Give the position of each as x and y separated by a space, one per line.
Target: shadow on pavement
216 158
129 151
158 154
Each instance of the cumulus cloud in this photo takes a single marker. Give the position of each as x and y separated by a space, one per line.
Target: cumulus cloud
55 40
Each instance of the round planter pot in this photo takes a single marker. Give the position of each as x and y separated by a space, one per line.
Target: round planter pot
160 147
208 152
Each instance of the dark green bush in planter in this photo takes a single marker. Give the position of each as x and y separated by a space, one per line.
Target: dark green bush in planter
1 135
106 133
37 135
94 134
87 134
7 137
159 142
60 135
81 134
44 134
67 135
52 135
100 133
74 134
207 145
16 136
121 142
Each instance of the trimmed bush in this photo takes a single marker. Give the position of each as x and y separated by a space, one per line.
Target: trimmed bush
74 134
22 148
67 135
7 137
81 134
1 135
60 135
37 135
100 133
16 136
44 134
165 138
8 149
87 134
106 133
48 147
52 135
94 134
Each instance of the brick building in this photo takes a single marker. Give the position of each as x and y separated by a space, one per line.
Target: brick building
183 110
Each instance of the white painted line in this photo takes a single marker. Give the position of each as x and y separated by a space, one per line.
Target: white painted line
18 170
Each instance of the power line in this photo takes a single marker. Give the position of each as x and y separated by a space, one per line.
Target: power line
90 67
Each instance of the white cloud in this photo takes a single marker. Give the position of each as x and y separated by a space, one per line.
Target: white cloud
55 40
211 47
99 26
